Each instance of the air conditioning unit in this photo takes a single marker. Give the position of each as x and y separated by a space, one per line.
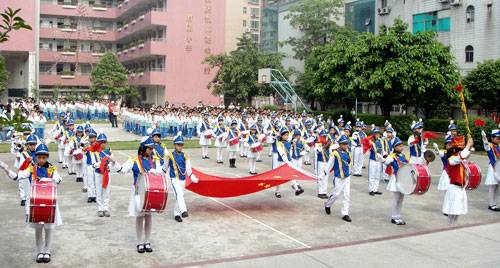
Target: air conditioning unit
247 30
384 10
455 2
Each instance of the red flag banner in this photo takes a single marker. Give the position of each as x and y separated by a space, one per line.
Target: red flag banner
221 187
367 145
103 168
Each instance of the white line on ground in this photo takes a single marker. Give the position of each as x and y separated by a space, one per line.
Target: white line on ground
259 222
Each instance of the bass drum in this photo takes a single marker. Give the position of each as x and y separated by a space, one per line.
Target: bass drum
43 202
473 175
151 193
413 179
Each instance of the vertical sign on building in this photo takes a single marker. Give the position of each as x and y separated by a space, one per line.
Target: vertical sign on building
208 32
189 33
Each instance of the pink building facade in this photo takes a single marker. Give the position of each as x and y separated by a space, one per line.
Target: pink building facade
161 42
20 51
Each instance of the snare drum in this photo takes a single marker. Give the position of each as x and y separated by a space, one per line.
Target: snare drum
413 179
208 134
310 141
262 138
256 147
151 193
43 202
473 175
234 141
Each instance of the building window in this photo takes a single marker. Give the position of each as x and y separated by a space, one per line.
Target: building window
444 25
469 54
254 24
244 23
383 3
425 22
469 14
244 10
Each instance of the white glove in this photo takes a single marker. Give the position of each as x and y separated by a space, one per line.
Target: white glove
45 179
335 146
194 179
58 180
3 165
96 165
436 146
117 166
12 174
485 139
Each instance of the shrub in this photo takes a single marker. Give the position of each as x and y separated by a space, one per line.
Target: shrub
271 107
370 119
437 125
402 125
476 131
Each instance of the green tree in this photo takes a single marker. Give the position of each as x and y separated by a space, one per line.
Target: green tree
4 75
315 19
483 85
237 72
394 67
109 77
11 21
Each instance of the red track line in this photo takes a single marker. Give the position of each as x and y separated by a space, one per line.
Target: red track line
330 246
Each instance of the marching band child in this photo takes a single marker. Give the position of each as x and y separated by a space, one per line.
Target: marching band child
297 149
233 144
308 137
42 171
178 168
160 150
243 130
77 154
341 162
455 199
283 148
203 126
101 161
322 149
492 180
220 139
417 143
67 137
394 162
145 162
90 174
251 140
358 155
374 166
387 145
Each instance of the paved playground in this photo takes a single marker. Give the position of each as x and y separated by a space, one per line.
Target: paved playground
258 230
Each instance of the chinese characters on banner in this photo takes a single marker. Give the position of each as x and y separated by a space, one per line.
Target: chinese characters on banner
189 33
207 38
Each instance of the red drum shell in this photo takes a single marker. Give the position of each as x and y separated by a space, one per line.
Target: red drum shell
473 175
257 148
152 191
234 141
43 202
78 156
413 179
